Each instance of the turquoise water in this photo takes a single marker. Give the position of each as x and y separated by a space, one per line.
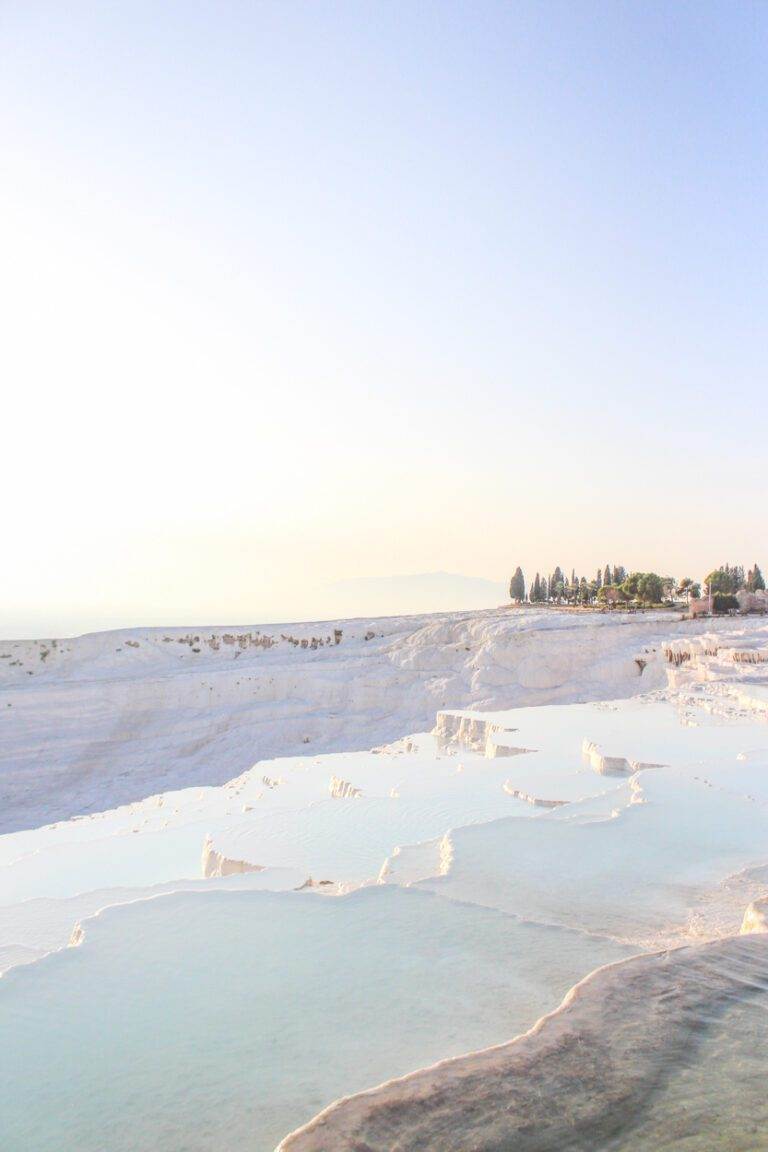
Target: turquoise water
221 1021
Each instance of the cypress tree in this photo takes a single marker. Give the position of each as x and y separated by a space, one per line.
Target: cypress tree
517 586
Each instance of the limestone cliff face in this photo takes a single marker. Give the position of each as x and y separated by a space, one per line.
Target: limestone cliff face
213 702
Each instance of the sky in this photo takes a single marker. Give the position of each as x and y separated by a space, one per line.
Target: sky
296 294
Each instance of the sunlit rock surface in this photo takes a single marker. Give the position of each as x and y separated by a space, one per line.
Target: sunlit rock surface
112 717
755 917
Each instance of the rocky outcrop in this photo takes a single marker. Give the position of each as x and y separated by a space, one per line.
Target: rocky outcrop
612 765
755 917
749 655
342 789
534 801
77 936
679 652
215 864
702 648
474 734
411 863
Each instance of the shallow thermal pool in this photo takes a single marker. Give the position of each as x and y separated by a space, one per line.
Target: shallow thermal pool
226 1017
224 1021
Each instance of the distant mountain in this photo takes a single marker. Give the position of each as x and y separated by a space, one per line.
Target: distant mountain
420 592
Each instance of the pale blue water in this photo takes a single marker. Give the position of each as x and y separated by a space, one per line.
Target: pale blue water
641 729
221 1021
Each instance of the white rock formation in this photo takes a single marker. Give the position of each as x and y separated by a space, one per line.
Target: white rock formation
543 843
535 801
342 789
755 917
214 864
191 707
612 765
475 734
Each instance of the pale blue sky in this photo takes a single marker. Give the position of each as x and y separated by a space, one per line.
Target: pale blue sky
299 292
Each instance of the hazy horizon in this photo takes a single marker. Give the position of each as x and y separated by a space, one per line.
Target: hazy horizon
370 596
302 294
360 597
